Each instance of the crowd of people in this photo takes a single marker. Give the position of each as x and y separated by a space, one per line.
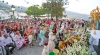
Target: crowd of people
18 33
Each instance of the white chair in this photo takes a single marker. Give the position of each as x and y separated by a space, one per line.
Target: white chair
2 51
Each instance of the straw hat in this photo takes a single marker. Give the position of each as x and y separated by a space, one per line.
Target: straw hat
56 51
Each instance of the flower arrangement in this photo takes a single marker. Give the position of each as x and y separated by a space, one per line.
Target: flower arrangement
76 43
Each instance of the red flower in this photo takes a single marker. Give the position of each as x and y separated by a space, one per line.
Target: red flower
66 43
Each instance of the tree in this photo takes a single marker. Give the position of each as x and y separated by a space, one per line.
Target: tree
47 7
35 10
32 10
55 7
41 11
57 10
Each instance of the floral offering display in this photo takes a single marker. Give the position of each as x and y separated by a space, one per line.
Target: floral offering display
75 42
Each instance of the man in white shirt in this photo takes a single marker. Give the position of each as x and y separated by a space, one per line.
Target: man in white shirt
7 42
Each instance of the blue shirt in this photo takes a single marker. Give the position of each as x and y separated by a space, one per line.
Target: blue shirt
41 34
7 41
51 27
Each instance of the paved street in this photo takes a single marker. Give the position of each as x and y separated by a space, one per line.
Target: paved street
35 50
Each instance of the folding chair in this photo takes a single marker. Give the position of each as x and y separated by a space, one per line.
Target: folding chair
2 51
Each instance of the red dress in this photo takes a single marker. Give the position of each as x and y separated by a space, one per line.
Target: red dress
54 28
26 39
26 35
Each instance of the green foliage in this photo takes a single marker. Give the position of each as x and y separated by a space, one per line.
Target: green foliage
57 10
54 8
35 10
47 7
41 11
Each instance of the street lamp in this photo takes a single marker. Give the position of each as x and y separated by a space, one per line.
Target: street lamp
13 9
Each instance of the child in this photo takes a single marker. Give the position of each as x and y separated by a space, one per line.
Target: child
45 50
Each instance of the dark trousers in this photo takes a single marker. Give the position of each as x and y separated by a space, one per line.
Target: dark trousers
7 48
82 24
56 45
36 35
61 36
